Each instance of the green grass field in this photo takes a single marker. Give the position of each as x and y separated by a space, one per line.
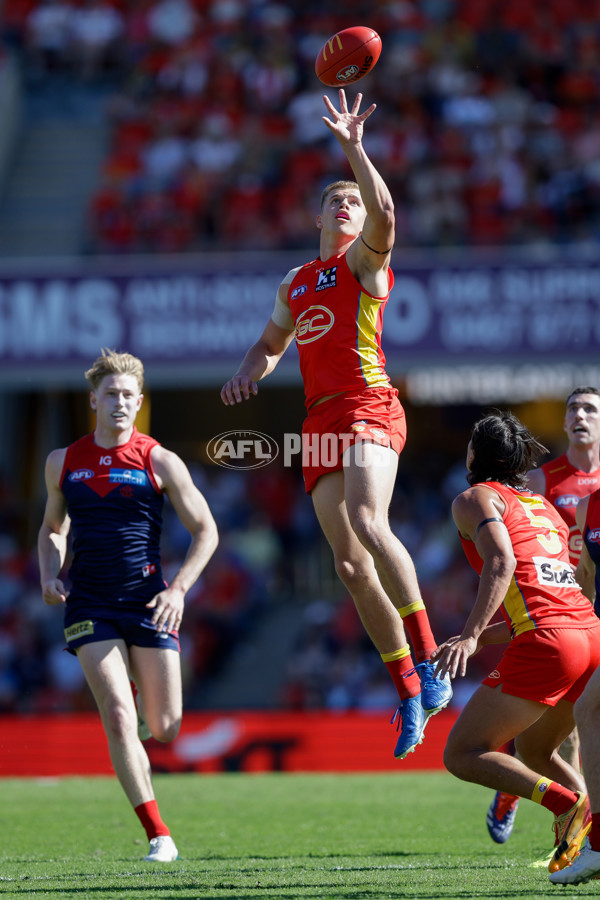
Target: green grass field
272 836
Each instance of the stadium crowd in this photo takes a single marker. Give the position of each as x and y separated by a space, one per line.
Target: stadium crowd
487 129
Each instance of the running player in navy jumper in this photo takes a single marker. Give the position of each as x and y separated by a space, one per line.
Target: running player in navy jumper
121 619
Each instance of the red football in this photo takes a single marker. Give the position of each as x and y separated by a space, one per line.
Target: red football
348 56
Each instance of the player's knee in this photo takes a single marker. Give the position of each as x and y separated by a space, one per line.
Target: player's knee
351 573
457 758
369 529
166 730
452 761
118 722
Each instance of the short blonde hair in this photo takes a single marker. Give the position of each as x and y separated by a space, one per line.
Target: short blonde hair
113 363
338 186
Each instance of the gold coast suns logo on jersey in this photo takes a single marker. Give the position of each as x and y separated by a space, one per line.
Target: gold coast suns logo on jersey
313 324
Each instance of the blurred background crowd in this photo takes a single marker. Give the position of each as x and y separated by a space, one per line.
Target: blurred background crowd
487 126
488 133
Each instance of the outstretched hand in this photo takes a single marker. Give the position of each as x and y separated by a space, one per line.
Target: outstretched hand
347 126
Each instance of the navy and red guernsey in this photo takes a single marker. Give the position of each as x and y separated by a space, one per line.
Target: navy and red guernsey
115 507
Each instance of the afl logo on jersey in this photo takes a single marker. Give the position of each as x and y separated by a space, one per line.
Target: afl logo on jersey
297 292
313 324
567 500
81 475
593 535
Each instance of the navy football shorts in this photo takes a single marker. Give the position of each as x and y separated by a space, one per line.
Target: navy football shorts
87 623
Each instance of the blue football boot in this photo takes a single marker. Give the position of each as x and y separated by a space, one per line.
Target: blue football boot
412 720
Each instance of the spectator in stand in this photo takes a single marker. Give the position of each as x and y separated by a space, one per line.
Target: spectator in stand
47 36
96 31
173 22
165 157
215 149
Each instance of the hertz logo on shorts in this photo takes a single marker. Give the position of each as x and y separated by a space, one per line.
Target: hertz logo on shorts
78 630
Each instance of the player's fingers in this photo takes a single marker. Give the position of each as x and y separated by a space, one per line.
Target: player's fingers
232 393
242 388
368 112
455 662
442 666
356 105
328 104
343 102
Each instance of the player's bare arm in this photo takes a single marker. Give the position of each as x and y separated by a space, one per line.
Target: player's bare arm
174 478
536 481
52 537
371 254
586 569
263 356
470 510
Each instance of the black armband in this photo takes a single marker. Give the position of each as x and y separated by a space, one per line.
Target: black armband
380 252
485 522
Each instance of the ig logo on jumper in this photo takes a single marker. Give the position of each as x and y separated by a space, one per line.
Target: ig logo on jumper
242 450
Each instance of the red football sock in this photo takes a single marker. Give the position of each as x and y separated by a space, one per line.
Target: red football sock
150 818
558 799
416 622
397 664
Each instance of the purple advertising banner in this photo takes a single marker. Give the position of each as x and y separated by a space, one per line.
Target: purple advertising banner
196 317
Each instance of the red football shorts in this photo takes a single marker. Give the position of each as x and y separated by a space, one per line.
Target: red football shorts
371 414
548 664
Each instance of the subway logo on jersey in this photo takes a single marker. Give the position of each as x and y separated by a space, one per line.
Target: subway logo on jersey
554 571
